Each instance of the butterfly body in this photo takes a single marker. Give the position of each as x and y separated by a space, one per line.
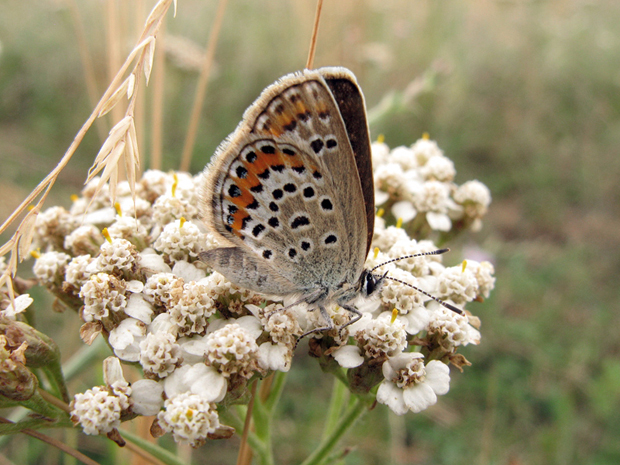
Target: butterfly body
291 193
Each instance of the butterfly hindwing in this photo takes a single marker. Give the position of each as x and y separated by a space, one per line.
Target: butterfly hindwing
285 187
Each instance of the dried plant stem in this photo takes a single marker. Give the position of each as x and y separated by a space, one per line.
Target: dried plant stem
158 104
113 48
315 33
245 451
201 88
140 14
56 443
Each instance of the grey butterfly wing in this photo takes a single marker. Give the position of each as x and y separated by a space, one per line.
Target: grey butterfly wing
285 187
352 106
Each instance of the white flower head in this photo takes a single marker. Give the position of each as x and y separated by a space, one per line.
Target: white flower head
163 289
168 208
453 329
380 152
409 385
189 418
85 239
180 240
160 355
119 257
52 226
232 350
382 336
79 269
50 267
97 410
193 309
197 379
389 236
101 293
392 179
424 149
483 271
438 168
405 157
475 197
457 284
129 228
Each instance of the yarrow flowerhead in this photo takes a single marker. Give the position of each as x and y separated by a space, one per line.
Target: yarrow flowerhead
201 340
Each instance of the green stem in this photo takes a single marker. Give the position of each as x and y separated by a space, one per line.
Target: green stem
39 405
327 445
336 404
54 374
263 416
33 424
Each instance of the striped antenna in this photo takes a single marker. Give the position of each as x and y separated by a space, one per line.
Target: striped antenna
439 301
434 252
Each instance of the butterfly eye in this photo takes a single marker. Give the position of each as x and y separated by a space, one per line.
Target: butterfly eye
371 284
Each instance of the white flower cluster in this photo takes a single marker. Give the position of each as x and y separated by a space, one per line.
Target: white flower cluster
417 183
138 282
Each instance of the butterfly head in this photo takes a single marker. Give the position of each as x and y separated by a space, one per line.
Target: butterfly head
370 283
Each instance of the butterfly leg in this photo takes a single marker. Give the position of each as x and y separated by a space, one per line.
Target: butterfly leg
328 320
357 315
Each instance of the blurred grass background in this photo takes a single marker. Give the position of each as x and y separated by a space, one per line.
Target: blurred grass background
522 95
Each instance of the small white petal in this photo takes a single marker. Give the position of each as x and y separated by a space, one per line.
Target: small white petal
381 197
174 384
274 357
211 385
22 302
125 339
417 320
163 323
419 397
153 262
112 371
251 324
405 210
187 271
139 308
438 377
194 349
391 396
147 397
104 216
439 221
348 356
135 286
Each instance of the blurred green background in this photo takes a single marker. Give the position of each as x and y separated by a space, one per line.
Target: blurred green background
522 95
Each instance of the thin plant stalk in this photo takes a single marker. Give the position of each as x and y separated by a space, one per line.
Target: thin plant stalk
315 33
157 121
357 408
201 88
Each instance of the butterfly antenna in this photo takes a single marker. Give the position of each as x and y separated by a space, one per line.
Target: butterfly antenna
439 301
434 252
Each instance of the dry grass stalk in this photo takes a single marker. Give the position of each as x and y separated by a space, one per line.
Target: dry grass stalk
201 89
315 33
122 140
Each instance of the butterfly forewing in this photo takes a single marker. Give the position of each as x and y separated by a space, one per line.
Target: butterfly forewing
285 187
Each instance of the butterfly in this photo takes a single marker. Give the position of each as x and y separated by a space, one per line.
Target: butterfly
291 193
